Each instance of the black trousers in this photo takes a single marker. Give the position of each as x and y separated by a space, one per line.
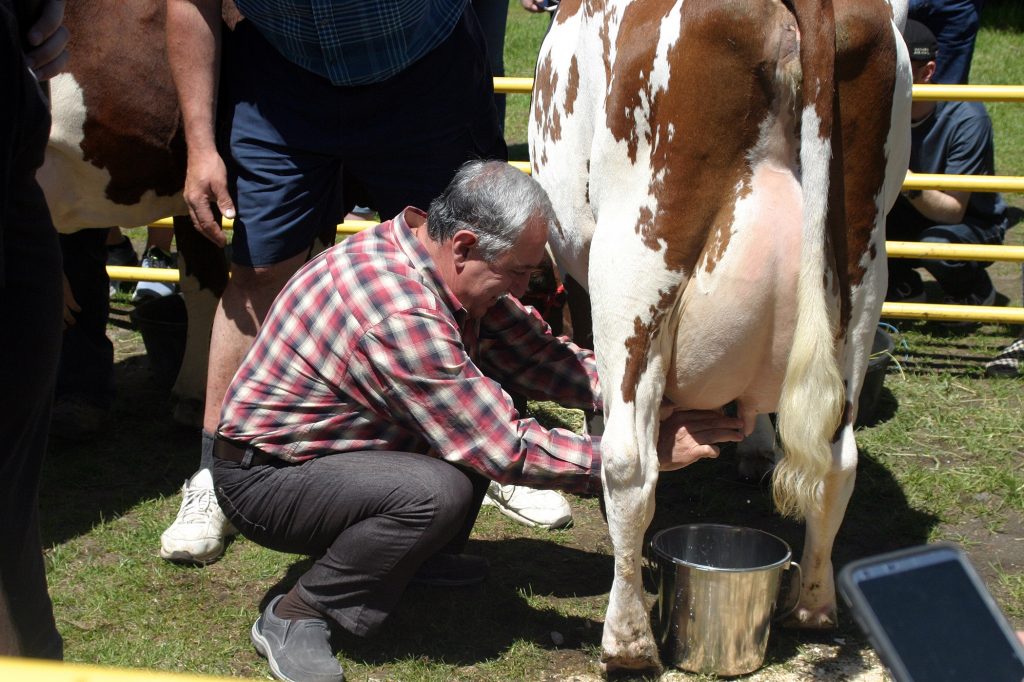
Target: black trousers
30 329
86 368
369 518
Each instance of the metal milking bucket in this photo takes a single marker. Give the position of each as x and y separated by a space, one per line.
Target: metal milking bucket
717 591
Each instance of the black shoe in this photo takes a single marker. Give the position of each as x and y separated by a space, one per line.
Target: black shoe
122 253
983 294
155 257
77 420
452 570
906 289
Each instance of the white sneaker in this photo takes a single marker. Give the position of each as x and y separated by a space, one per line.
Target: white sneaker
197 534
530 506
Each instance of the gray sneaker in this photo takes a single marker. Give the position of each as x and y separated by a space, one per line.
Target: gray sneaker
297 650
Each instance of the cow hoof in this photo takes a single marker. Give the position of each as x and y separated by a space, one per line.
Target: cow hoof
812 619
633 657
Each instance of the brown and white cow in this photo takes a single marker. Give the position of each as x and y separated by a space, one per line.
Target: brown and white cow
720 171
116 154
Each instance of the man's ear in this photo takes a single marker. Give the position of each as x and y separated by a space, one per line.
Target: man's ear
929 71
462 246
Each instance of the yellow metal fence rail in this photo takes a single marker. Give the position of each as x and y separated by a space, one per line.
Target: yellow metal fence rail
972 183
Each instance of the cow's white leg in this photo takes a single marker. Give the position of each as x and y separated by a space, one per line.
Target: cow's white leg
817 605
631 352
630 473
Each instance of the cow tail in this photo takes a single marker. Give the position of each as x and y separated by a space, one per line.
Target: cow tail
813 395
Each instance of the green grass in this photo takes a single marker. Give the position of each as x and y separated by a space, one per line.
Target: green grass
944 462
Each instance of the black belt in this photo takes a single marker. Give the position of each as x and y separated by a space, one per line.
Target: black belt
226 450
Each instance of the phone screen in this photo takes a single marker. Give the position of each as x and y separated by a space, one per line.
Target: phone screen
937 621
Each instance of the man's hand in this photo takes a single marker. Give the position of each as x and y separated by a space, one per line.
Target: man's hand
535 5
206 183
689 435
48 41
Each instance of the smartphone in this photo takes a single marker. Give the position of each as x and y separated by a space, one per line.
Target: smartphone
930 618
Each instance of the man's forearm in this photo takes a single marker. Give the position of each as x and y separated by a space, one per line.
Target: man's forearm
945 208
193 51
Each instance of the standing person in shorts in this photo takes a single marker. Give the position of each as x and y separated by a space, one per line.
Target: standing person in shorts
394 95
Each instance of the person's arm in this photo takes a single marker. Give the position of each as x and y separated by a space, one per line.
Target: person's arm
48 40
414 369
969 153
518 350
945 207
193 51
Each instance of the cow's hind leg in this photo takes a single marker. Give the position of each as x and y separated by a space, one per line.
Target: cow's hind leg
874 96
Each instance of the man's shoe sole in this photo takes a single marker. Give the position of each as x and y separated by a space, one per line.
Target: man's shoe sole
182 557
512 514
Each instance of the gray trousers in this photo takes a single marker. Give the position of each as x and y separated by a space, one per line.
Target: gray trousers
369 519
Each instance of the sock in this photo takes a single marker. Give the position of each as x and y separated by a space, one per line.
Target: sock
292 607
206 454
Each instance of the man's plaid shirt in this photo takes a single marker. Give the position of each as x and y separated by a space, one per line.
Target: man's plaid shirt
366 348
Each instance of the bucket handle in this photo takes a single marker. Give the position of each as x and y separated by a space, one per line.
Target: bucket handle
796 577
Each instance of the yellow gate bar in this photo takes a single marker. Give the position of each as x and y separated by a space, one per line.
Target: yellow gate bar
514 86
978 93
971 183
921 91
983 252
994 252
964 313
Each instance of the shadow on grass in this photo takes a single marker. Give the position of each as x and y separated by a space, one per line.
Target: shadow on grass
472 625
142 454
878 518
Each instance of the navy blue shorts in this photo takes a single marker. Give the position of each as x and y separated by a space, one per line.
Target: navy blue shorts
301 152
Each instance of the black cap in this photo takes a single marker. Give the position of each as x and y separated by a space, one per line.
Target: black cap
920 41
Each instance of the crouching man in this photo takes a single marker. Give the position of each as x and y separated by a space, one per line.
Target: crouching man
369 416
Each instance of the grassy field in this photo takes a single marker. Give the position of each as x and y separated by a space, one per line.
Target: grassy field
944 460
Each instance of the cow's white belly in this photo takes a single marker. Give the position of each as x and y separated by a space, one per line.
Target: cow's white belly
737 315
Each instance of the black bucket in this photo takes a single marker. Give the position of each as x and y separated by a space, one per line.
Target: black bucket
163 323
881 354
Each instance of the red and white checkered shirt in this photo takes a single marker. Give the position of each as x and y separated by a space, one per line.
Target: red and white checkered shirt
366 348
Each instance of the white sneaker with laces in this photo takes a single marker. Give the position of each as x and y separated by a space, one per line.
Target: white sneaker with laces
530 506
198 533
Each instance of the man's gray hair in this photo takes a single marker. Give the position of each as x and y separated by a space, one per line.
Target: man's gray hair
491 199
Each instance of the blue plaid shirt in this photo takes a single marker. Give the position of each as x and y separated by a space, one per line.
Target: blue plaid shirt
353 43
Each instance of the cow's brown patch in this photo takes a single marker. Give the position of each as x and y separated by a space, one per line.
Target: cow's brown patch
817 57
865 75
140 145
566 10
639 344
545 83
722 87
572 85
